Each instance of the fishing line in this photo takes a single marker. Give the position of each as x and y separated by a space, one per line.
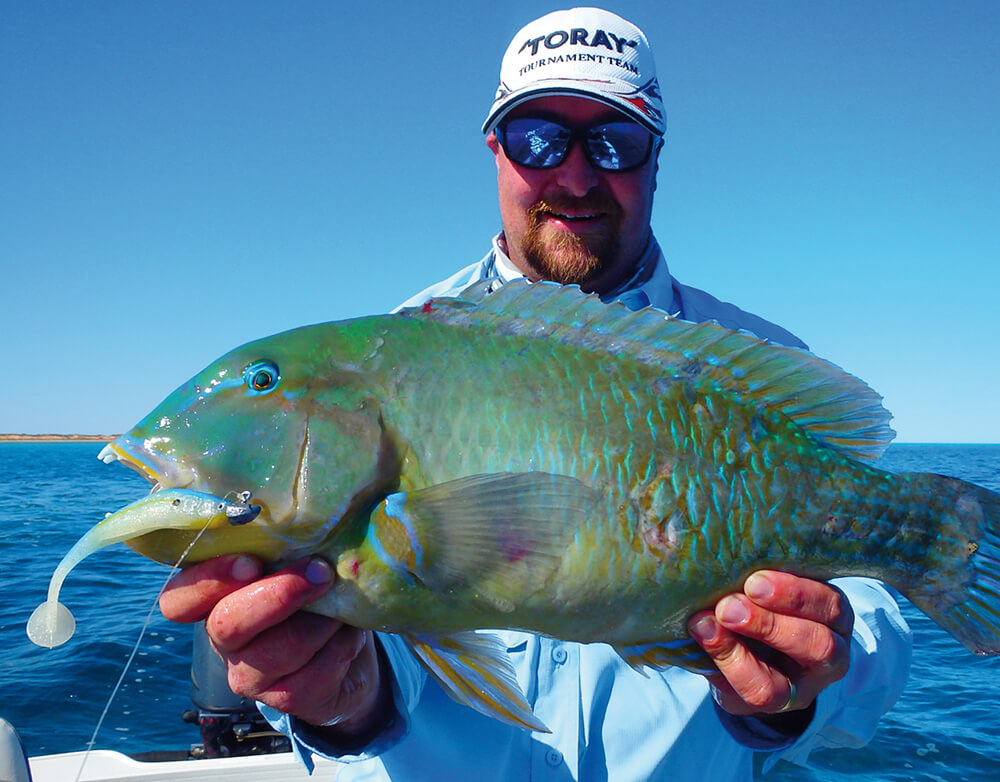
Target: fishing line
135 649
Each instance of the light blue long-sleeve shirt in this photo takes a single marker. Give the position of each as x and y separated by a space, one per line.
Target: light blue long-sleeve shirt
657 287
609 722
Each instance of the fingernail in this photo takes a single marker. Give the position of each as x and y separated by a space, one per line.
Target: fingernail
758 587
245 569
318 571
704 629
732 611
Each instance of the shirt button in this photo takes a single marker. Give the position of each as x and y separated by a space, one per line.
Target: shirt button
553 757
559 655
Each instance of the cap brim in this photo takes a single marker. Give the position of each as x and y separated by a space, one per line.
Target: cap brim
608 98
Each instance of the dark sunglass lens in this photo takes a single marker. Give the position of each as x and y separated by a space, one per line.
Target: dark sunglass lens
534 143
619 146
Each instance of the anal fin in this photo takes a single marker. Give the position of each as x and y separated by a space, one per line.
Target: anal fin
473 668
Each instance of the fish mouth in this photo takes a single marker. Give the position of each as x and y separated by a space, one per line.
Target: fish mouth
160 471
166 473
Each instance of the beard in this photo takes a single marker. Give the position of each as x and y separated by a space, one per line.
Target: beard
566 257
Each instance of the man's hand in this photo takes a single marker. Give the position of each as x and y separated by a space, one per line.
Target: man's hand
777 644
311 666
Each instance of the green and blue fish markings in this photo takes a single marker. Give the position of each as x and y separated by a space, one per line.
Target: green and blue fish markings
536 459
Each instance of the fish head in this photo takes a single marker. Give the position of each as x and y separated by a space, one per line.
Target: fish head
293 419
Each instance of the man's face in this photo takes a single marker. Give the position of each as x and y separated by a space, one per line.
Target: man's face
574 223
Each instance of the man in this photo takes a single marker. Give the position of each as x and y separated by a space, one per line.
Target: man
575 131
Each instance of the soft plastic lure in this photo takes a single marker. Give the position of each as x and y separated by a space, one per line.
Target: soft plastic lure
52 623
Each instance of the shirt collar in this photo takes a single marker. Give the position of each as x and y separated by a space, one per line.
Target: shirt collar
651 265
641 274
651 276
503 267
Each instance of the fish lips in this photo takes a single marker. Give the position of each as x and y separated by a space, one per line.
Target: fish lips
166 473
172 546
159 470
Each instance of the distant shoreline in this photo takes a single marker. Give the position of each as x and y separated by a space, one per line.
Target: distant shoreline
57 438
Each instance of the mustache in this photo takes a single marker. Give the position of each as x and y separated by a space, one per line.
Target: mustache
597 201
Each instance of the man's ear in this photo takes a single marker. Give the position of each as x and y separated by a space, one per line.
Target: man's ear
495 148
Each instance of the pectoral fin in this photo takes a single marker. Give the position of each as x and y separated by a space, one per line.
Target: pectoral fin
684 653
502 534
473 668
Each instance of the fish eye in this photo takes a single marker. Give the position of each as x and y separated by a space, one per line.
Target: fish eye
261 377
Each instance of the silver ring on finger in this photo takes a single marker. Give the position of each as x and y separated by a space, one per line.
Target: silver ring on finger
792 693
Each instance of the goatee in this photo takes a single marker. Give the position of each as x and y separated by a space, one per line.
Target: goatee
566 257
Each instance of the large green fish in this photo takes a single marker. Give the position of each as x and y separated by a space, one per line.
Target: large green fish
535 459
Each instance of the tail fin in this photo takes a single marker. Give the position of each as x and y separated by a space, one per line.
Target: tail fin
961 591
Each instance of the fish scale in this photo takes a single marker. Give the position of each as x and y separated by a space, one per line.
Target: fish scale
535 459
710 540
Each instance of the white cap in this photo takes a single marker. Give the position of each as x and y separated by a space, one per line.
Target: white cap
582 51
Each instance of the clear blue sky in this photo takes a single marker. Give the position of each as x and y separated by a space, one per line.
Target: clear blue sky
177 178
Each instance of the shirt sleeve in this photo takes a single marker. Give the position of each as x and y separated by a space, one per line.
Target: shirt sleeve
697 306
408 679
848 711
451 286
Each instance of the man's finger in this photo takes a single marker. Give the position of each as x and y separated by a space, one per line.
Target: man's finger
754 685
192 593
244 614
278 652
802 597
348 667
806 642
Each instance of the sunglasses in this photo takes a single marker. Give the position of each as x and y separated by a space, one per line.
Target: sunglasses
542 143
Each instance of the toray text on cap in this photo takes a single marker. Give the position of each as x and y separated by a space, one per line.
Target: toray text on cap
578 37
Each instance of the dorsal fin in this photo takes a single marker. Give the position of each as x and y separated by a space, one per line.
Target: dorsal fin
835 407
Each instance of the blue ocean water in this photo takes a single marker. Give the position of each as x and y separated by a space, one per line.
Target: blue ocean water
946 726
